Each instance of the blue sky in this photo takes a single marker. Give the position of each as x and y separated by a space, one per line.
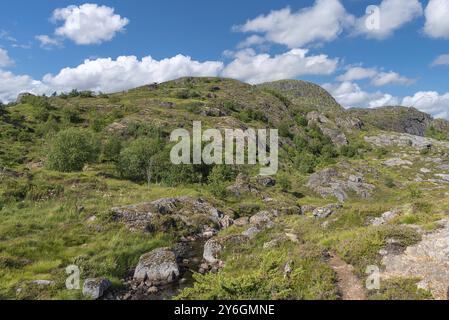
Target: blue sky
404 59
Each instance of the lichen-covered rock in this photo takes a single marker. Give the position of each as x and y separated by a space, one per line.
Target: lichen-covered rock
166 205
405 141
394 162
331 183
251 232
214 247
212 112
159 266
397 119
192 214
263 219
427 260
241 186
95 288
324 212
328 128
135 217
385 217
266 181
240 222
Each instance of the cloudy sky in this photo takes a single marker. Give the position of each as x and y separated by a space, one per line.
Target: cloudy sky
394 53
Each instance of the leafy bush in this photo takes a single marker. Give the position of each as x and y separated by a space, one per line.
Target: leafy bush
72 149
284 130
389 182
284 183
71 115
111 149
218 177
305 162
349 151
248 115
301 121
136 161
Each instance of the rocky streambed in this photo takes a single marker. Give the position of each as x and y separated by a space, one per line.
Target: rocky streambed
162 273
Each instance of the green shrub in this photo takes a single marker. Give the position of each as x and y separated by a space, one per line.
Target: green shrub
389 182
284 183
218 178
349 151
301 121
284 130
71 115
136 161
72 149
111 149
305 162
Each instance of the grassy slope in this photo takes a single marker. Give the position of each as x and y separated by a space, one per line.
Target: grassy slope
41 236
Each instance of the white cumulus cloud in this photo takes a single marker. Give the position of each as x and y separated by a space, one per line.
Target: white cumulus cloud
88 23
437 21
257 68
350 95
322 22
388 78
442 60
357 73
47 42
127 72
5 60
430 102
107 75
378 78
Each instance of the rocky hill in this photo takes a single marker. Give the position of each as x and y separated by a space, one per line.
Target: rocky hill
86 182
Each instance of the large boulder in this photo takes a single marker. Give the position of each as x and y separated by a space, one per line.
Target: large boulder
158 266
95 288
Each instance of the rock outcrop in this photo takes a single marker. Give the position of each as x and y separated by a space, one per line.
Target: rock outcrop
428 260
193 213
331 182
396 119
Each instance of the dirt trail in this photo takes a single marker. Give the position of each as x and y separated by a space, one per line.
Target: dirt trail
349 285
